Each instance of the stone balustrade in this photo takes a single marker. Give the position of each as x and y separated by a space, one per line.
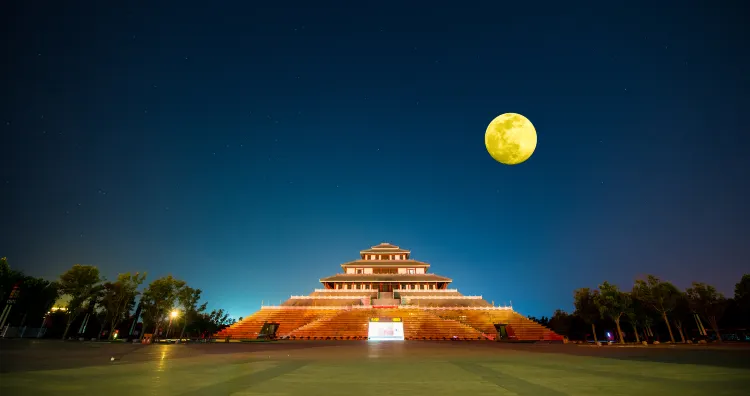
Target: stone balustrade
426 290
347 307
442 297
457 308
304 307
345 290
328 297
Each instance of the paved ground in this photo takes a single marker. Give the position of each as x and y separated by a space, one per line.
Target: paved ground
360 368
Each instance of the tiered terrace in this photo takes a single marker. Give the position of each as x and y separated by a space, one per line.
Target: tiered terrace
398 286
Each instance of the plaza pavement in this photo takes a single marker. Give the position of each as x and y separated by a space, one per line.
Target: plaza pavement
414 368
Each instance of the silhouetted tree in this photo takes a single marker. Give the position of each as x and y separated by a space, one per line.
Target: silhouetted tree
188 298
560 322
158 300
742 299
8 278
586 308
612 303
81 283
118 298
681 314
707 303
638 315
661 296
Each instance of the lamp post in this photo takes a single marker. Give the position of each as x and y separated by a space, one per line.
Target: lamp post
172 315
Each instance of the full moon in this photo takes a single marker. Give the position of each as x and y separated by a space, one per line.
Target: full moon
510 138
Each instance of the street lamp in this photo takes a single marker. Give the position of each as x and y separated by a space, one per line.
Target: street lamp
172 315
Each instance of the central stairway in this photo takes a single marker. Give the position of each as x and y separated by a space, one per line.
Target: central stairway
386 299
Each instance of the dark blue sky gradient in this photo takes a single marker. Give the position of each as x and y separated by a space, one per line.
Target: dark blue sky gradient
252 149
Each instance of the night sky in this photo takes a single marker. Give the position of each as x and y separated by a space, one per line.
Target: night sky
251 149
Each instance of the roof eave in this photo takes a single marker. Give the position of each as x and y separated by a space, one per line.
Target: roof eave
364 263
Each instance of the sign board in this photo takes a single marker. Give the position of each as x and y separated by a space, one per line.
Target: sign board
385 329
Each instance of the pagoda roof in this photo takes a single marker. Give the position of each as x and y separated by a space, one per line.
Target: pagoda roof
386 278
387 263
384 248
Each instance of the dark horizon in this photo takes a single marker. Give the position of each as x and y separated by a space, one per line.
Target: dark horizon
250 150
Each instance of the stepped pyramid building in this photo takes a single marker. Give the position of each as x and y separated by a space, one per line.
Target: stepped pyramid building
386 294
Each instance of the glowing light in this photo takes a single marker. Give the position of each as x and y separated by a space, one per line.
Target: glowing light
510 138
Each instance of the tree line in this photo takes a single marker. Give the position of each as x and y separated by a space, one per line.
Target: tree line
110 303
654 308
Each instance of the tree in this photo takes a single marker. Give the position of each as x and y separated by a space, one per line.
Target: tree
119 297
742 299
612 303
158 299
35 297
586 309
210 323
708 303
560 322
661 296
8 278
682 311
188 298
638 315
80 283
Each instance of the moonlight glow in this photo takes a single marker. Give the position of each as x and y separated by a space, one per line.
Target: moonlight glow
510 138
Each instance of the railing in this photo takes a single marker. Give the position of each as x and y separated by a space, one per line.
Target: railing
457 308
328 297
303 307
395 290
442 297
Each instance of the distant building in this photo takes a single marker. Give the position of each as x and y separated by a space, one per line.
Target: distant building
386 286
